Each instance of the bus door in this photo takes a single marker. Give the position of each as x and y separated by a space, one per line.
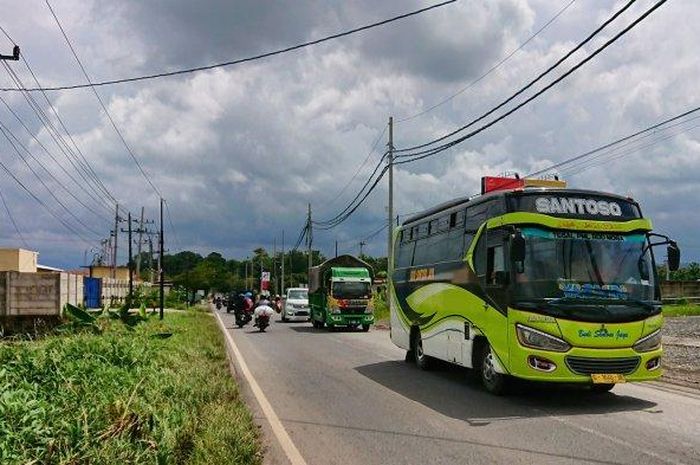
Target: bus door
496 280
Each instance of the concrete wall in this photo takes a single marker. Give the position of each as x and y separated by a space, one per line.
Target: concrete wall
71 289
680 289
18 260
31 294
114 291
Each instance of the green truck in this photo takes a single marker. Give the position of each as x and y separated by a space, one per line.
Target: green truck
340 293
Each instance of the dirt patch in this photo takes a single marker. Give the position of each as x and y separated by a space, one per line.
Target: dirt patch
681 360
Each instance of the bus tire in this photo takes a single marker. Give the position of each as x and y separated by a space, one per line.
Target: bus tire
493 382
424 362
602 388
410 357
365 328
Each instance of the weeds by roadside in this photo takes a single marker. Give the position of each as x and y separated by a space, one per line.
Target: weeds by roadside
127 395
681 310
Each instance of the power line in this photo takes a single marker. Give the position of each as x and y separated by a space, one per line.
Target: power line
409 158
6 131
12 220
99 99
335 219
43 204
526 86
172 226
359 168
490 70
91 181
52 156
43 183
617 142
241 60
28 96
434 151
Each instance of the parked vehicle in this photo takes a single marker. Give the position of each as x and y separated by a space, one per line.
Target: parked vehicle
296 305
340 293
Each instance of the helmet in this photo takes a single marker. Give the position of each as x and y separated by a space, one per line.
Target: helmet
248 294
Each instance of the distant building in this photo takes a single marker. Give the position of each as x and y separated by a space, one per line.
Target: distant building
24 261
47 269
122 272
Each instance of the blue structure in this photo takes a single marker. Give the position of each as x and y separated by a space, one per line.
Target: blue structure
93 292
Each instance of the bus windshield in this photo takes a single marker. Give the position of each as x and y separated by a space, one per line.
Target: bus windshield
574 268
351 290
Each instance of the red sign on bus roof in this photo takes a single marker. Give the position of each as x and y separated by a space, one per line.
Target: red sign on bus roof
495 183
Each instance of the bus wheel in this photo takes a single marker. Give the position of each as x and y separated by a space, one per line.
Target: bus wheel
602 388
494 382
365 328
423 361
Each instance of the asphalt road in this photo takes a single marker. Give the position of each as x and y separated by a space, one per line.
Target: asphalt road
349 398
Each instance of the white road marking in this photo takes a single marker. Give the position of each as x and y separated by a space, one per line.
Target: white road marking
285 441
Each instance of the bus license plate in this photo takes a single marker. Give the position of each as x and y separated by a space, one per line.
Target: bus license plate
607 378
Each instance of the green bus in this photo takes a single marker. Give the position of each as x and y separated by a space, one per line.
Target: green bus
539 283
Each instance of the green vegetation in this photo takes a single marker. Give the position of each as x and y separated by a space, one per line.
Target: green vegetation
681 310
381 309
689 272
191 272
157 393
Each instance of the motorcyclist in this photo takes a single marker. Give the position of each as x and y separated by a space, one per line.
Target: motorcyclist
262 309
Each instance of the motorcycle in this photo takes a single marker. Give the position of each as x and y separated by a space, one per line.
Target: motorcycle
262 322
243 317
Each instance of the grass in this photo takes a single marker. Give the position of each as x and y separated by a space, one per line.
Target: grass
381 309
124 396
681 310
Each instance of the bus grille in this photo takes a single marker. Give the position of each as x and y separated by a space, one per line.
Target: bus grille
352 310
589 366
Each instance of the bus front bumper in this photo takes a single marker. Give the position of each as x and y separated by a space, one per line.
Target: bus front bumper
339 319
586 365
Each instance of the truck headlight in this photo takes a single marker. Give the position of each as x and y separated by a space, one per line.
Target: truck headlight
649 342
536 339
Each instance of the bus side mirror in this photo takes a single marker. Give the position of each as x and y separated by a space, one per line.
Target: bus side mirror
517 251
673 254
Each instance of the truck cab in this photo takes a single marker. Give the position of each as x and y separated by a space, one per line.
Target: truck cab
340 294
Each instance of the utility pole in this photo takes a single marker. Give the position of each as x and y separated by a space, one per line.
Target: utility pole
390 159
273 274
138 249
309 237
336 248
131 267
282 281
116 236
160 268
362 244
150 258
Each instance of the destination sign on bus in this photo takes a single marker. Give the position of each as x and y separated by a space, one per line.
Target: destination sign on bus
578 206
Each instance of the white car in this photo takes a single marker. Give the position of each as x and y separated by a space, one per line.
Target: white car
296 305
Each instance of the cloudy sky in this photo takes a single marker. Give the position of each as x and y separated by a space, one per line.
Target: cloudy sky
238 152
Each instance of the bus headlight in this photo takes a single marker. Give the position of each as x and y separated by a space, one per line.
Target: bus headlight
535 339
649 342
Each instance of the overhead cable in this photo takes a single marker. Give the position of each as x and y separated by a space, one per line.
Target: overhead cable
434 151
104 107
529 84
490 70
241 60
